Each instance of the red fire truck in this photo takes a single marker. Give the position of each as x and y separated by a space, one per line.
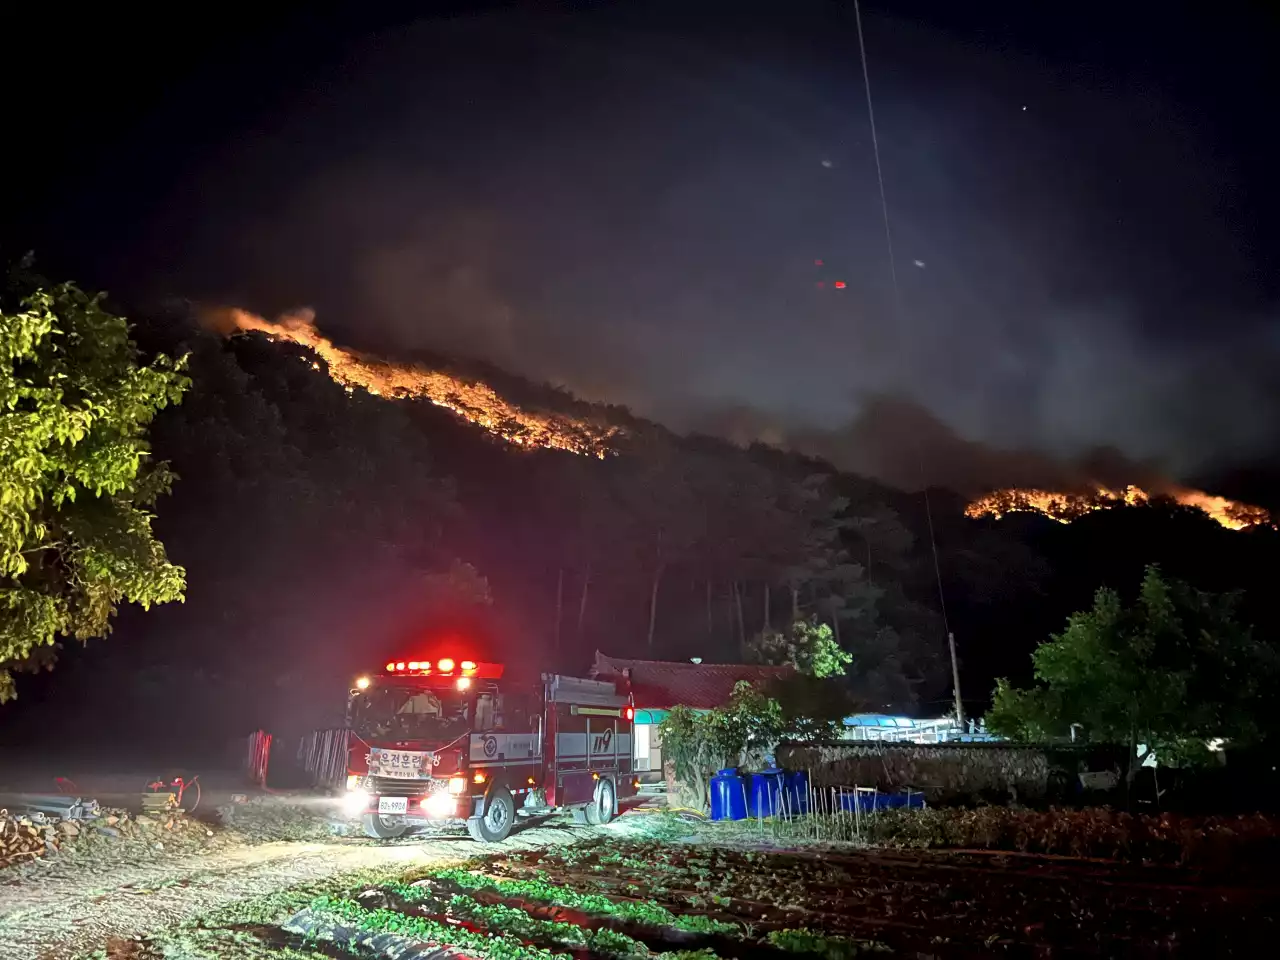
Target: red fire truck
434 742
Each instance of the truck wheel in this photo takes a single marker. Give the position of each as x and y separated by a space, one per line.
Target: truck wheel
499 814
383 828
600 810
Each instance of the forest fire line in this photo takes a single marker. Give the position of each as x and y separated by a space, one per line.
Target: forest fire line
481 405
474 402
1065 506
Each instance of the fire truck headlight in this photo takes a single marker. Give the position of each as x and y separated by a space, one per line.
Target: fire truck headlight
457 786
355 802
440 806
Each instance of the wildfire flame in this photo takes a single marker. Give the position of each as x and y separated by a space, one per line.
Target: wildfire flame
473 401
1066 506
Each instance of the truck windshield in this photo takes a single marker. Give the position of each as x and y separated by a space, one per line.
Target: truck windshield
406 712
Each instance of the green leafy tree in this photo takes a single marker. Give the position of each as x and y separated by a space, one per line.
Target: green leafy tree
814 701
746 729
808 645
1170 671
699 743
813 708
76 486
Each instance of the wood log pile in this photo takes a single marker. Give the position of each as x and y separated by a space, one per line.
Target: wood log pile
21 837
25 836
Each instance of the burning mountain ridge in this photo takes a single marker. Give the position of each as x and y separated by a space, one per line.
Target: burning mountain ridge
473 401
1067 506
483 406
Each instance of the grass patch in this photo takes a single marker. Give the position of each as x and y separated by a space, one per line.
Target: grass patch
510 920
273 909
193 943
816 944
539 889
494 946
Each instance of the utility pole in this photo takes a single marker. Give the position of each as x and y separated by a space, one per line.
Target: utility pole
955 680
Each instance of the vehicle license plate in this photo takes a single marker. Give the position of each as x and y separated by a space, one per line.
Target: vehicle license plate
393 804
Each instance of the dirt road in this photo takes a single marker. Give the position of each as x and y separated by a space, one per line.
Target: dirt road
66 912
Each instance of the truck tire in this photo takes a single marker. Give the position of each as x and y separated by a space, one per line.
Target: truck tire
383 828
499 814
600 810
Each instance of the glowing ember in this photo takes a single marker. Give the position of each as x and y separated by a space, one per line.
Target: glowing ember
475 402
1067 506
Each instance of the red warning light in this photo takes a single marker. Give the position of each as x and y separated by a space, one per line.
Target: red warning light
839 284
817 263
629 713
821 284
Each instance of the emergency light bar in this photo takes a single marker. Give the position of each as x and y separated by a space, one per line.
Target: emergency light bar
446 667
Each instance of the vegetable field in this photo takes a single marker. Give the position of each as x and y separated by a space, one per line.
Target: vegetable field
613 899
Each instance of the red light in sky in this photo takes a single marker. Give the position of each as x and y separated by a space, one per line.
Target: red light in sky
821 284
839 284
817 263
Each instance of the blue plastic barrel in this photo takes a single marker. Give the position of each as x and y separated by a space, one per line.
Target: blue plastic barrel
866 802
764 793
795 787
728 796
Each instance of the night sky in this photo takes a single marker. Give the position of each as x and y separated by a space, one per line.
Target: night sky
630 198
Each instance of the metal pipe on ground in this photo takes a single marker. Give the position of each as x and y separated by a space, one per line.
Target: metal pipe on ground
67 808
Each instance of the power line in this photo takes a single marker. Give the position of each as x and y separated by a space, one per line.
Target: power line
900 319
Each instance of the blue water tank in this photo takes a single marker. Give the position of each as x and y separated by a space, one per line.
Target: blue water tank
728 795
764 793
868 802
912 799
795 788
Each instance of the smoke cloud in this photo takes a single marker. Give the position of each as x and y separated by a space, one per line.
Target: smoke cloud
643 226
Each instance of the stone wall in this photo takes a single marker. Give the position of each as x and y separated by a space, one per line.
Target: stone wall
945 772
